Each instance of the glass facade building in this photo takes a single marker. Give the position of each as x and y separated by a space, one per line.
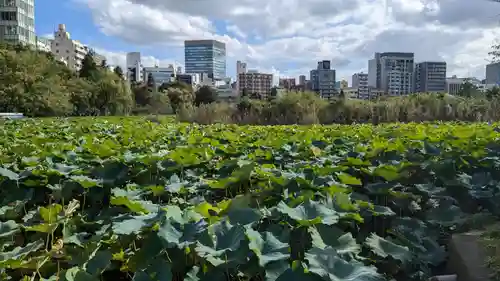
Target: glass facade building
205 56
17 21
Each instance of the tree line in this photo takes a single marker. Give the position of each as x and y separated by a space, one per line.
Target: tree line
36 84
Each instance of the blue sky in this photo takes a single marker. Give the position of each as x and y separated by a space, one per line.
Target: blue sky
78 19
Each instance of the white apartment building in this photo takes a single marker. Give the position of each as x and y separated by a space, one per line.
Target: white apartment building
17 22
454 84
70 51
43 44
360 81
392 72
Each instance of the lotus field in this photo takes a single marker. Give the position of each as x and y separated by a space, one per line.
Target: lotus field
109 199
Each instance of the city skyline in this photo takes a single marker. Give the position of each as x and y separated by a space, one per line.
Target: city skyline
108 27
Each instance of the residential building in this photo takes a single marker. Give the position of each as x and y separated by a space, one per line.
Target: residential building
360 81
160 75
375 93
205 56
226 92
302 80
43 44
241 67
344 84
134 67
256 83
17 22
350 92
392 72
493 73
70 51
454 84
430 77
287 83
185 78
323 79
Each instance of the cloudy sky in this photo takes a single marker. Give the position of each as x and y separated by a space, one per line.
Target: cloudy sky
284 36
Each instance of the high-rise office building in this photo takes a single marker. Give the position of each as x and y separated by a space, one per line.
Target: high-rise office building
392 72
302 80
134 67
493 73
430 77
205 56
17 21
323 79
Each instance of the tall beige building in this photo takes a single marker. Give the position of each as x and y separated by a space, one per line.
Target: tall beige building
256 83
70 51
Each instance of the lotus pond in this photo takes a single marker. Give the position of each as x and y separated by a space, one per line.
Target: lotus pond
101 199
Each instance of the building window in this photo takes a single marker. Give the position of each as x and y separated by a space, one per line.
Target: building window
8 16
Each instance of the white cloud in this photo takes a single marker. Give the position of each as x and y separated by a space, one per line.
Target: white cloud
119 59
292 35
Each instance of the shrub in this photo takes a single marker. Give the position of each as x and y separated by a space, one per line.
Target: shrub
308 108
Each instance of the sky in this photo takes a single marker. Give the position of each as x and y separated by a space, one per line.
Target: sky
283 37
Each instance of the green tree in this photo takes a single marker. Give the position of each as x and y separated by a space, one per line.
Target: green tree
89 67
467 89
118 71
274 92
104 64
151 81
493 93
32 84
142 95
245 93
179 98
205 95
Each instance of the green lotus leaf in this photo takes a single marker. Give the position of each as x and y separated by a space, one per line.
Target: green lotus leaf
158 270
98 262
343 243
127 224
388 172
446 215
276 269
309 213
385 248
327 264
174 234
8 228
85 181
6 173
267 247
134 206
226 237
348 179
19 253
77 274
50 214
